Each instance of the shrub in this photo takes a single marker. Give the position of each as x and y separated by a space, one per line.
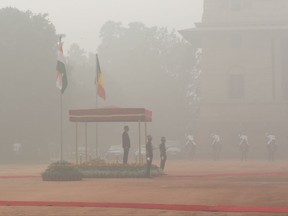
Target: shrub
61 171
64 171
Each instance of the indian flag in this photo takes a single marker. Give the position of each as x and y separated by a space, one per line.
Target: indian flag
61 79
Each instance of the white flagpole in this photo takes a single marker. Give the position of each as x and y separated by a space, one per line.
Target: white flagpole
96 84
61 119
61 129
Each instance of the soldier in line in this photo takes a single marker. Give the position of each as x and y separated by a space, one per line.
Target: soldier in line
163 156
149 155
216 146
125 144
271 146
190 146
243 146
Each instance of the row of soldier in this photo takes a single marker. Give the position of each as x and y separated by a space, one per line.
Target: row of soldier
243 145
190 147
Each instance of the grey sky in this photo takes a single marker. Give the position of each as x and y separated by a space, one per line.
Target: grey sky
81 20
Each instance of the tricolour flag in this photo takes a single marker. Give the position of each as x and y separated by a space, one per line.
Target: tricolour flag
61 79
99 80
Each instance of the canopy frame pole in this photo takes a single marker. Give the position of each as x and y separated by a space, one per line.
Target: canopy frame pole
76 143
86 151
139 128
145 132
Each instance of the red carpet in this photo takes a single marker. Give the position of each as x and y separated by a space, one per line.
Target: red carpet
176 207
12 177
228 174
187 176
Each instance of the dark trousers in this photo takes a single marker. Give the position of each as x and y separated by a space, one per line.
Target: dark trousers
244 151
244 154
271 153
125 156
163 161
149 163
216 152
215 155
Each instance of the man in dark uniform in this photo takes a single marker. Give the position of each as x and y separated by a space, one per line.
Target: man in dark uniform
125 144
149 155
163 156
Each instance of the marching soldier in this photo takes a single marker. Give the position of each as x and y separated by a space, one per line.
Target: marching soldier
271 146
243 145
216 146
149 155
163 156
190 146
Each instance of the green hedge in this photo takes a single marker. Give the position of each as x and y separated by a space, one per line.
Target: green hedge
61 171
96 169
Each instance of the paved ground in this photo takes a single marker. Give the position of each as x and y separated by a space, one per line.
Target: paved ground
180 186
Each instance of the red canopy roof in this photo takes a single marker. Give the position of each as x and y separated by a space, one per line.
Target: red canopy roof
111 115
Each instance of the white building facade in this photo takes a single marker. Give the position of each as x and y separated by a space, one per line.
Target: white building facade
244 79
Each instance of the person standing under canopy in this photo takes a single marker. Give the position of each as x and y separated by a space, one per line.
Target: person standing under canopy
125 144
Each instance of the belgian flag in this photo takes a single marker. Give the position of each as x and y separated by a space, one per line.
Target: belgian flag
99 80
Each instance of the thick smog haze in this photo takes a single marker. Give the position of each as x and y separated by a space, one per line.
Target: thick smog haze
138 44
152 55
160 107
81 21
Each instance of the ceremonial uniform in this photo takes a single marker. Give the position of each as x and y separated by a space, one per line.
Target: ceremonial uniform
271 146
149 155
190 147
125 144
163 156
243 147
216 146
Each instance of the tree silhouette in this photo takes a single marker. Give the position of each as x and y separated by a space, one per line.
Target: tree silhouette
150 67
28 94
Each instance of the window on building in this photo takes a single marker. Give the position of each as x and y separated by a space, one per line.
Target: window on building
284 69
236 40
249 4
236 86
236 5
